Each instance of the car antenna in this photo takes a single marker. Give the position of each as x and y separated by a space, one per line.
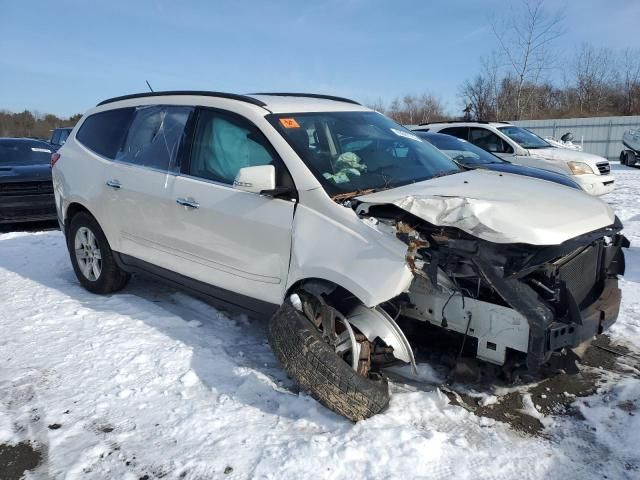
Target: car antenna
148 85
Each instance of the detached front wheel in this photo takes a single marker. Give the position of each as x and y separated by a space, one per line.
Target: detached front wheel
320 350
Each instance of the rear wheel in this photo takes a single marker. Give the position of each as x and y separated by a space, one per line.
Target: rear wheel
623 157
322 352
91 256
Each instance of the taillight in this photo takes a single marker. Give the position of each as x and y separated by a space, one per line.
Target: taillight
54 158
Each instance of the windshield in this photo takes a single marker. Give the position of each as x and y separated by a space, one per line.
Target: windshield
524 137
359 151
460 150
22 153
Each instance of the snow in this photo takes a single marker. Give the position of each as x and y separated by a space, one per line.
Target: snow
152 382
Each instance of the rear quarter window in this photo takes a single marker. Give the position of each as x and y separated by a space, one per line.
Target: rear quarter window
104 132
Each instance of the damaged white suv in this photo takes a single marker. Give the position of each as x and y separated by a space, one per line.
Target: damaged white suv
336 222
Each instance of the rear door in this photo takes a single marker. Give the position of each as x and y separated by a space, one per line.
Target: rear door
231 239
460 132
141 181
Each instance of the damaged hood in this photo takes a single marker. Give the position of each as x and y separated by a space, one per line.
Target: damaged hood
499 207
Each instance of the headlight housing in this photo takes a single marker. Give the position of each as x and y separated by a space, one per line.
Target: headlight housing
580 168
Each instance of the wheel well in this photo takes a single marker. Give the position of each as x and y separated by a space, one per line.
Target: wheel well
72 210
319 286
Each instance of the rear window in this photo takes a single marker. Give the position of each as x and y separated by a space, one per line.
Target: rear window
155 136
24 153
104 132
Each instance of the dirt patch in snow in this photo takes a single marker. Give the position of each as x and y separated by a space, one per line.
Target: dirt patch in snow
527 407
18 458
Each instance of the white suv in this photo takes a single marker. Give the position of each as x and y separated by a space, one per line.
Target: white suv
336 222
519 145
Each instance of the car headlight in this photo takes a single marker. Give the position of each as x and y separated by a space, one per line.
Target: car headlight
580 168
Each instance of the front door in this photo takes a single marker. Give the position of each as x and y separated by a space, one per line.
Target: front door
231 239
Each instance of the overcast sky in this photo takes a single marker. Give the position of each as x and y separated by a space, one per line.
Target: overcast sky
64 56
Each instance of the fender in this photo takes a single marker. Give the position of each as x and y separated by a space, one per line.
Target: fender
339 247
375 322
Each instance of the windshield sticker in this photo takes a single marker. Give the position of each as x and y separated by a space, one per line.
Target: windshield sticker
289 123
404 134
43 150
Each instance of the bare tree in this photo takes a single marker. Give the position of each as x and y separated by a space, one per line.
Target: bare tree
525 38
414 109
629 81
478 97
481 96
593 69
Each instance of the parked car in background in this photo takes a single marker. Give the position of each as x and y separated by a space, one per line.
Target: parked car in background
470 157
26 191
631 155
520 146
59 136
333 220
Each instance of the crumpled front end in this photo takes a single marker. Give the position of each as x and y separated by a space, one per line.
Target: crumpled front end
568 293
535 299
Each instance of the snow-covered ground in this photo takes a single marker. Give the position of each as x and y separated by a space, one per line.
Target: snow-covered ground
152 383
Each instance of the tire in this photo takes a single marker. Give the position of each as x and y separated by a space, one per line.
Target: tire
319 371
630 159
623 157
110 277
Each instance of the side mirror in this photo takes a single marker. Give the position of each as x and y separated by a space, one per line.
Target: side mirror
257 179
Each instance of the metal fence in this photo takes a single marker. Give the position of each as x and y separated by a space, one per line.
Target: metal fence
599 135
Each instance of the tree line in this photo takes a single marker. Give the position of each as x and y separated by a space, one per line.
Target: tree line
28 124
514 82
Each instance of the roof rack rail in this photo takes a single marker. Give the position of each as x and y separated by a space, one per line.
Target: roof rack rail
309 95
457 121
463 121
231 96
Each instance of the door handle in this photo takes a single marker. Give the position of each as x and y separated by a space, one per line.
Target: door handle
113 184
187 203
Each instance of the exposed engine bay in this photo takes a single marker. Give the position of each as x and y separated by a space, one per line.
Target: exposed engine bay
510 297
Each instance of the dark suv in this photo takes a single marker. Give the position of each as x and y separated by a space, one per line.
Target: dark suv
26 191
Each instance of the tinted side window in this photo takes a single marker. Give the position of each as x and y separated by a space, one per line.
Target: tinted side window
460 132
489 141
104 132
223 144
155 136
55 139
